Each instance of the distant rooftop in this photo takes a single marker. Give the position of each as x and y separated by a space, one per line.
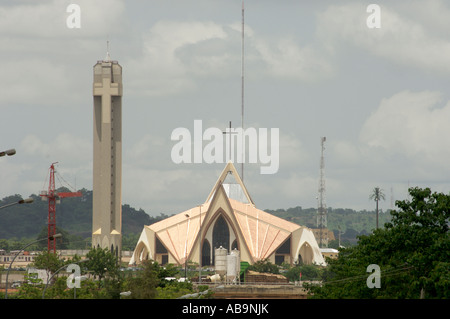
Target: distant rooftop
328 250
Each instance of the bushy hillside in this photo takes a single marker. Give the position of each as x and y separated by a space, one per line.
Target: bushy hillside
348 222
74 216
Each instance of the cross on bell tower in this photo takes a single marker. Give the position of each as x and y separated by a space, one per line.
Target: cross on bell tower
107 169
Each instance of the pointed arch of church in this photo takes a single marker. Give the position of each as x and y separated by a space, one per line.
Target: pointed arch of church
141 252
206 253
306 254
235 245
105 242
220 233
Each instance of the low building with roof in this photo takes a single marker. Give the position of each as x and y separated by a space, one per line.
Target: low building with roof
330 253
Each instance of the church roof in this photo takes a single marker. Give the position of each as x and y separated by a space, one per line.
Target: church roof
236 189
263 233
178 232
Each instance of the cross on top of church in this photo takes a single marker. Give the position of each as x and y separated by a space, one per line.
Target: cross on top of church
229 131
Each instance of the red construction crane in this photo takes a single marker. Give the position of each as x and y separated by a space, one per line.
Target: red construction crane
52 197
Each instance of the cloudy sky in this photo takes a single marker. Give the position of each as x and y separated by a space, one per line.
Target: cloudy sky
312 69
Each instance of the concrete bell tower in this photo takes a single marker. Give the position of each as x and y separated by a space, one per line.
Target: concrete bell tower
107 168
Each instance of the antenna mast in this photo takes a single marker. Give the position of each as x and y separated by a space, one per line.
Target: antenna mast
242 94
322 206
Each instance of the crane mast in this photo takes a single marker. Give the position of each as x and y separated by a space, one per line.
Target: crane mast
52 196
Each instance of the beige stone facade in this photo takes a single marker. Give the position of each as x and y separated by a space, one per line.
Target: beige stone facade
107 167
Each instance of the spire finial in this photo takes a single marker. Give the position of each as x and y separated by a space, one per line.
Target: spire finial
108 57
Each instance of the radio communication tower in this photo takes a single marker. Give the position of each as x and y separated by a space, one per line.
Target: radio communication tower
322 206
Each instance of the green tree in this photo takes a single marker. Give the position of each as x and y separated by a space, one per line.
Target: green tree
412 251
264 266
58 289
150 282
173 289
47 260
143 285
105 266
101 262
88 290
309 272
4 244
377 195
31 288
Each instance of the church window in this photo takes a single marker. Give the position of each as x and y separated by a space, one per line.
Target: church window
285 248
282 252
221 234
160 249
206 253
234 245
279 259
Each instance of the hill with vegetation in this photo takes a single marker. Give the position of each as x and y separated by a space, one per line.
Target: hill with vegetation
348 222
74 218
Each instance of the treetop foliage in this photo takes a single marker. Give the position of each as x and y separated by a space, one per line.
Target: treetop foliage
412 251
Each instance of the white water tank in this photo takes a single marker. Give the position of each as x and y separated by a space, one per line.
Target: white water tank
231 267
221 261
238 258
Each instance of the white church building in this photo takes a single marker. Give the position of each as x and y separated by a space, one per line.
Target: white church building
228 219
